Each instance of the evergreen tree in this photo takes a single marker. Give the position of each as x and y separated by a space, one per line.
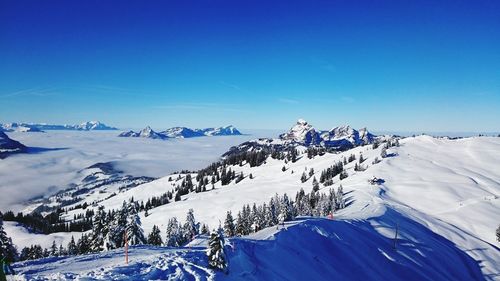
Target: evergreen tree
133 229
204 229
215 251
315 185
7 249
498 233
191 227
303 178
340 198
53 249
99 230
84 245
173 238
62 251
154 237
72 248
240 227
383 152
229 227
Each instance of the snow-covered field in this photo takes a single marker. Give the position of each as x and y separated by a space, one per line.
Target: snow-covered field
56 156
442 195
312 249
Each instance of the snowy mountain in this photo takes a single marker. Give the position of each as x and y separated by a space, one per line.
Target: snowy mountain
220 131
443 207
92 125
304 134
9 146
343 137
36 127
182 132
15 127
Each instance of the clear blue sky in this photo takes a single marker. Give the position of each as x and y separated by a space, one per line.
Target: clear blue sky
389 65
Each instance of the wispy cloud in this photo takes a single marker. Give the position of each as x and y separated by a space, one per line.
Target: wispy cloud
288 101
33 92
202 106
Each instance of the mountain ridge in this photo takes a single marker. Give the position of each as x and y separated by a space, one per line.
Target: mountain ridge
182 132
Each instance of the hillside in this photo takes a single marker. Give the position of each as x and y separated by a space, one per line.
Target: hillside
439 193
313 249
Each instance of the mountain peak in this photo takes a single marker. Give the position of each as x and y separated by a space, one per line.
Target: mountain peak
301 122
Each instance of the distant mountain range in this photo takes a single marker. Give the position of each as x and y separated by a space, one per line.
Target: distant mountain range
343 136
9 146
182 132
304 134
40 127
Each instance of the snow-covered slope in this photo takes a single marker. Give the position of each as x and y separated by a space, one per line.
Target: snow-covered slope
441 194
309 249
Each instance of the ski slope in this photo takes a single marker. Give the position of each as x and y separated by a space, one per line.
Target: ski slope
307 249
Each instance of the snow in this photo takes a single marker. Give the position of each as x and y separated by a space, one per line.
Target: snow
441 194
56 157
22 237
308 249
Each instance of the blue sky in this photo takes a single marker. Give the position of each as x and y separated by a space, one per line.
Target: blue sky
387 65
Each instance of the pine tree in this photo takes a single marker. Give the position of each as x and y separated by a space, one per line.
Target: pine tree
191 227
204 229
53 249
99 230
340 198
133 229
498 233
7 249
62 251
315 185
215 251
303 178
154 237
383 152
72 248
229 228
173 238
240 227
84 245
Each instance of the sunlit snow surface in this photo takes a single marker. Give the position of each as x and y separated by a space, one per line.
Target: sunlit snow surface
442 194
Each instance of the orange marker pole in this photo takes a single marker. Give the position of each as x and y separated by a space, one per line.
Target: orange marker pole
126 248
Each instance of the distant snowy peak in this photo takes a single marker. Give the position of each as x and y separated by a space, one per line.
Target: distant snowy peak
9 146
345 136
16 127
38 127
149 133
302 132
221 131
182 132
93 125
